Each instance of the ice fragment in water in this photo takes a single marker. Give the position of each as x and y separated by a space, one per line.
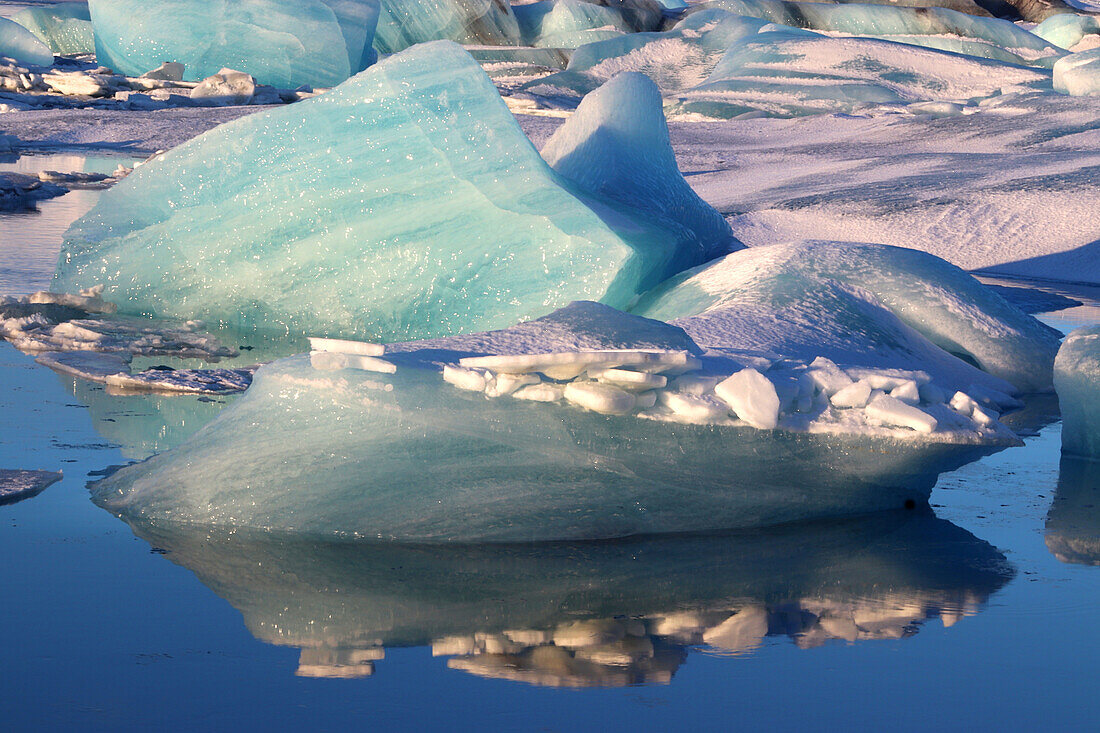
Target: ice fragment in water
283 43
16 485
752 397
404 23
1077 379
470 380
16 42
894 412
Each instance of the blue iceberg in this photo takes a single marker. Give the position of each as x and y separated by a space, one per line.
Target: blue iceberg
65 27
568 23
407 203
405 23
18 43
1077 379
281 43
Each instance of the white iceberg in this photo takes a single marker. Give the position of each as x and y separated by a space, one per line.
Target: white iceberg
1077 379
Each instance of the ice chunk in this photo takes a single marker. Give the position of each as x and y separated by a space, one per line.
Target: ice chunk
1077 379
65 27
333 360
167 71
693 409
616 146
427 213
16 42
804 298
227 87
895 412
741 632
282 43
1067 29
567 23
471 380
540 393
752 397
628 379
404 23
568 364
343 346
506 384
856 394
827 376
1078 75
88 300
694 384
603 398
17 485
906 392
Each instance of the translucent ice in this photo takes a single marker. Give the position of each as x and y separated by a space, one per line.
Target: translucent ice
567 23
405 203
404 23
65 27
16 485
1067 29
821 296
1077 379
1078 75
282 43
16 42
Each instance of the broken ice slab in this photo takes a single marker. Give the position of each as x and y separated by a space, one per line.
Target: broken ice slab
343 346
409 204
635 608
182 381
404 23
18 43
1077 379
861 305
17 485
282 43
65 27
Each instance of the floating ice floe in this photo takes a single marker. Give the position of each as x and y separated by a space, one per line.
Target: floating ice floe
404 23
552 430
1077 379
284 43
1078 75
16 485
18 43
65 27
23 191
592 614
410 204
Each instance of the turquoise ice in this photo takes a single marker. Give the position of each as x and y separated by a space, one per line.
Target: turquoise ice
1078 74
1067 29
1077 379
282 43
406 203
18 43
65 27
568 23
403 23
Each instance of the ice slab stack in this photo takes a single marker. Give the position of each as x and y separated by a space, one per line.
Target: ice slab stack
1077 379
404 23
16 42
283 43
407 203
65 27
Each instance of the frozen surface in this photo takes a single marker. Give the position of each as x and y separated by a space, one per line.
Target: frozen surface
284 44
16 485
403 23
18 43
1077 379
427 212
65 27
855 303
1078 75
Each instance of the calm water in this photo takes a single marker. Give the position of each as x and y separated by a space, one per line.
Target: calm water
981 614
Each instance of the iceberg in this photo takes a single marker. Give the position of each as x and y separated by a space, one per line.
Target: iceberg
282 43
1077 380
1067 30
872 305
406 203
18 43
591 614
464 455
567 23
1078 75
65 27
405 23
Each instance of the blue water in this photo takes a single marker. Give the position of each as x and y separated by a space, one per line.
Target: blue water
963 618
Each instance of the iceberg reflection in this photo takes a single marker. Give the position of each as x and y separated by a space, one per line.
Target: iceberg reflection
597 613
1073 523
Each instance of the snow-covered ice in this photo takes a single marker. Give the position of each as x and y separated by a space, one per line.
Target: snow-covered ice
1077 379
1079 75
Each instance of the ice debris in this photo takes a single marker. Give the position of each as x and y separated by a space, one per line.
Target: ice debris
65 27
19 44
1077 379
427 212
282 43
1078 75
17 485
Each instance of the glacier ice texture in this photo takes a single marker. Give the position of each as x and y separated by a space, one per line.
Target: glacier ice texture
65 27
405 23
18 43
321 449
581 614
1077 380
405 203
874 305
283 43
567 23
1078 75
1066 30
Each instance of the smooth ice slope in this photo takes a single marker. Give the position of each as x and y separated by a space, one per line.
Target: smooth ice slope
283 43
404 23
616 146
16 42
1077 379
406 203
823 287
65 27
1078 75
